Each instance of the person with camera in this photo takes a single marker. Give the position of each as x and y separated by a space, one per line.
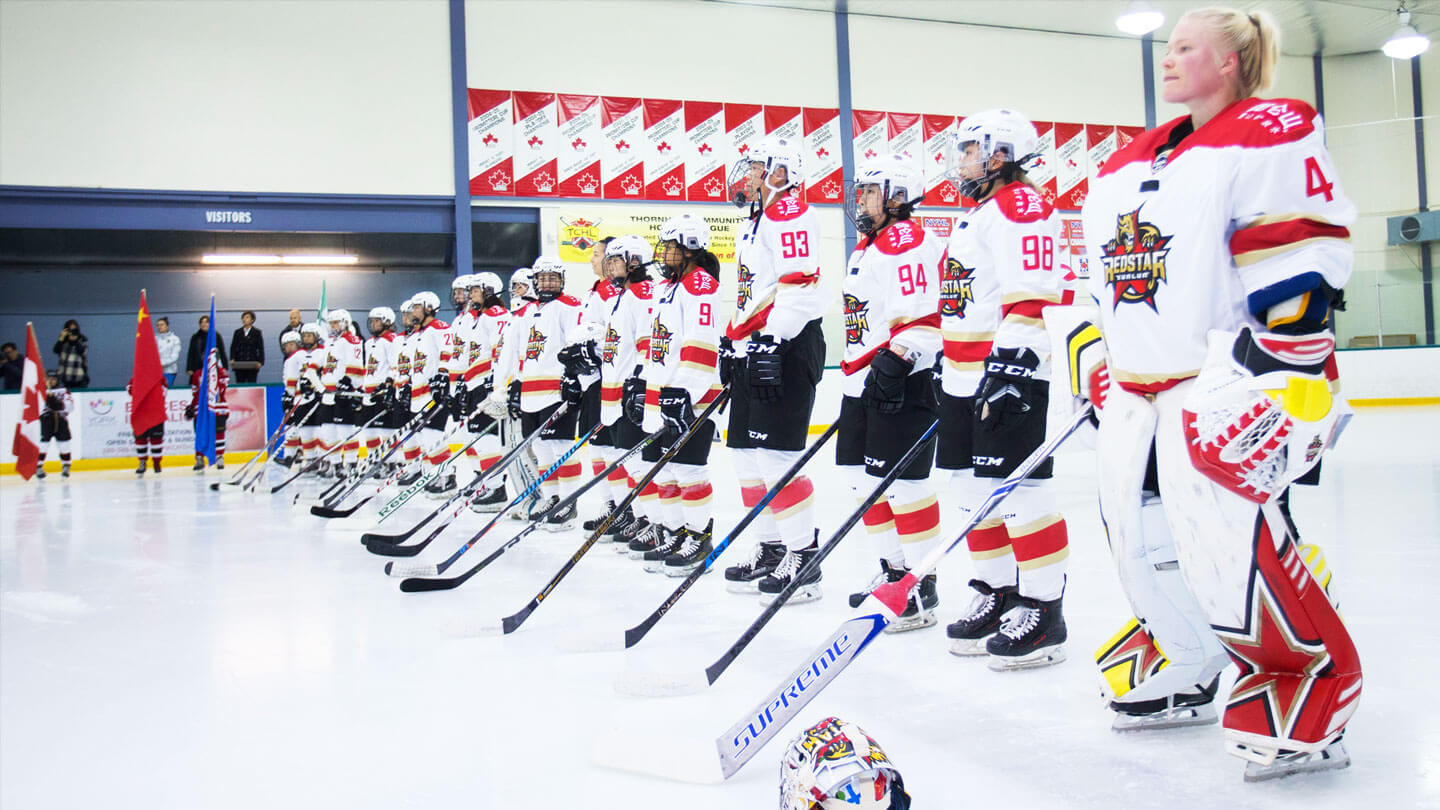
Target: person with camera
71 368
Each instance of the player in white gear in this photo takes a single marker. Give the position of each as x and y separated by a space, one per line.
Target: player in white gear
522 291
1000 276
290 376
379 385
431 378
487 319
341 373
583 365
308 387
773 352
1218 243
892 337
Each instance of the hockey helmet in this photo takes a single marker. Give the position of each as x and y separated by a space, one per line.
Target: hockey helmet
309 329
386 317
463 282
520 286
428 301
983 136
291 336
340 315
627 255
889 186
687 231
547 276
488 281
756 169
835 765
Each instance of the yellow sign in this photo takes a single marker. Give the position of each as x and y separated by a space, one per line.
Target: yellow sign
580 231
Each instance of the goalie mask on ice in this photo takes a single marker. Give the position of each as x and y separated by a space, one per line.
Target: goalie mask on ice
835 765
1260 413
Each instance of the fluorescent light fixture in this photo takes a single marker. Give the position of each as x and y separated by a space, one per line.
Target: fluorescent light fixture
1406 43
1139 19
320 259
271 258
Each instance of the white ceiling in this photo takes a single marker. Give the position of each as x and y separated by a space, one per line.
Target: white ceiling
1332 27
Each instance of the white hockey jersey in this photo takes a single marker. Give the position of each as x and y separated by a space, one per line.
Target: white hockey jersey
1246 212
404 357
596 311
1000 273
342 358
684 348
290 370
494 324
778 288
892 287
479 343
309 365
530 354
431 353
625 345
379 361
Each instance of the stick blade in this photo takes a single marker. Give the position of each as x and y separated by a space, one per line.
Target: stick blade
422 584
385 550
512 623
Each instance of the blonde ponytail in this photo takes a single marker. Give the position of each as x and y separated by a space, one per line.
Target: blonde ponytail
1252 37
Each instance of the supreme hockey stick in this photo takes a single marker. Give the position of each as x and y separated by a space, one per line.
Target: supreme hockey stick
404 495
279 433
435 570
313 464
445 584
744 739
634 634
512 622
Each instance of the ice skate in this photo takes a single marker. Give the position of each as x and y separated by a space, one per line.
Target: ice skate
40 471
616 532
1195 708
140 471
1262 765
492 501
969 633
539 506
199 464
599 520
786 571
668 544
886 576
154 463
408 479
1031 635
745 577
526 508
630 535
920 609
694 548
441 486
65 470
220 462
561 519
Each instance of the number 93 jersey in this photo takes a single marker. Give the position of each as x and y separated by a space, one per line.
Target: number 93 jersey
1244 213
892 288
777 288
1000 274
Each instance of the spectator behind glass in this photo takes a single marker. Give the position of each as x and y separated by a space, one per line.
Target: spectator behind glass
293 326
12 368
247 349
71 368
196 356
169 345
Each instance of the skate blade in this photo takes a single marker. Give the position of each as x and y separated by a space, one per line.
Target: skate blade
802 595
752 587
1176 718
969 647
1333 758
487 509
1048 656
682 570
920 622
556 528
654 566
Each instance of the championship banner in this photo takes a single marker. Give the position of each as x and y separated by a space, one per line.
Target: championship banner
744 125
1042 170
824 166
1101 143
622 129
105 422
537 147
665 148
906 138
492 143
937 131
707 159
1072 247
783 122
579 148
1071 184
871 136
581 227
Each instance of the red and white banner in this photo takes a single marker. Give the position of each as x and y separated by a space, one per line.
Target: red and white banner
580 141
871 136
1042 169
783 122
1100 139
665 148
1124 135
537 147
823 161
1072 246
1071 171
744 126
938 130
906 138
622 129
492 143
707 161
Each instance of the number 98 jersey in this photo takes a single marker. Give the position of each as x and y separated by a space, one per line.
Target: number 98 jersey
891 292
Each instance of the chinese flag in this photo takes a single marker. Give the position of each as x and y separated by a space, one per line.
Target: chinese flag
147 382
26 444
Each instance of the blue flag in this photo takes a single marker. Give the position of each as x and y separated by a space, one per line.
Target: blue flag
209 383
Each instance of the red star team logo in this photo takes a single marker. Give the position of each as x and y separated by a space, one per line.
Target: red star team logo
857 320
1135 260
955 292
660 338
609 346
535 345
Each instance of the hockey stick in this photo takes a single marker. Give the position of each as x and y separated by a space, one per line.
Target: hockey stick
421 584
316 462
240 475
744 739
342 488
512 622
434 570
361 471
634 634
404 496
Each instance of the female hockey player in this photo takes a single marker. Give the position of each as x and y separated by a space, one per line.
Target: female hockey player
342 373
775 352
290 377
431 375
582 364
999 276
55 424
379 384
488 319
680 378
892 337
308 388
1228 222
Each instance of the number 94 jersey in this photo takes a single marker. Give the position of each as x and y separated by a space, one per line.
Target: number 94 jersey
891 291
1000 273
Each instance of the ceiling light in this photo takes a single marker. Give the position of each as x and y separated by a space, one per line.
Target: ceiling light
1139 19
320 259
239 258
1406 43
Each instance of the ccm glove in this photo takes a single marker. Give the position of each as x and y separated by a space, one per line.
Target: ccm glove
580 358
885 385
513 399
1008 389
763 363
676 409
571 391
633 397
726 363
440 387
190 411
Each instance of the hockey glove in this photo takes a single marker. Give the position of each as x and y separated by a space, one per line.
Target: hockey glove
726 362
513 399
675 408
287 402
885 385
400 404
476 422
570 389
440 388
190 411
1008 388
580 358
344 386
459 401
763 363
633 395
307 386
384 395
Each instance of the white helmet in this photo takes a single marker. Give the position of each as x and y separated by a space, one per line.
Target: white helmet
311 328
631 252
429 300
463 282
489 281
902 187
333 315
835 765
385 315
521 278
992 132
547 278
686 230
290 337
774 151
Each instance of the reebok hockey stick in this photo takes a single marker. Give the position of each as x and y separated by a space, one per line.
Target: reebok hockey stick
433 570
634 634
244 471
420 584
715 670
310 466
404 495
744 739
512 622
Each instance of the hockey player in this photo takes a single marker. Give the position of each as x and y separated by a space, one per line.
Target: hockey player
215 398
522 291
1228 222
999 276
55 424
582 363
432 347
342 372
773 352
312 353
290 376
892 337
379 383
460 295
538 334
477 344
680 377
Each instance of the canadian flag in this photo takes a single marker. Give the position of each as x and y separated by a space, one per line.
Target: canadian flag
26 444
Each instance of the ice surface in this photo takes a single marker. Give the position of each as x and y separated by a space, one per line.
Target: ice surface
164 646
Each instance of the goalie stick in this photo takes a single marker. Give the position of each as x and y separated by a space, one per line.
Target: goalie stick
744 739
634 634
238 479
316 463
512 622
403 497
